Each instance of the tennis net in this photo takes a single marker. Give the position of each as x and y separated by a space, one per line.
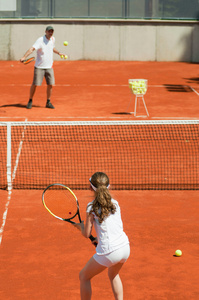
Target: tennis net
134 154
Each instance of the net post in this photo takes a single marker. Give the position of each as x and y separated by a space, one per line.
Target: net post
9 154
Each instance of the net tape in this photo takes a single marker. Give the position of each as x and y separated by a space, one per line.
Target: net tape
135 154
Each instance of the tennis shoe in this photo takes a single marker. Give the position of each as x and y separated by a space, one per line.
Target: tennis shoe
49 105
29 105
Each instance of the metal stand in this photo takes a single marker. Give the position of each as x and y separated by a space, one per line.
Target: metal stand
137 99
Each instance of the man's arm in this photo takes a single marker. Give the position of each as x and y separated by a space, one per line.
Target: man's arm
57 52
27 53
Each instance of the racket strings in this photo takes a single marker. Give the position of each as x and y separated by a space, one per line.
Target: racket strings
61 203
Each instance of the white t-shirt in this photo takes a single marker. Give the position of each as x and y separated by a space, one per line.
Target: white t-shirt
44 48
110 232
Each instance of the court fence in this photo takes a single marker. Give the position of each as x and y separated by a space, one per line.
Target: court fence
136 9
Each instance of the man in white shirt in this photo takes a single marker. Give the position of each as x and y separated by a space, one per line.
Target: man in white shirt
45 47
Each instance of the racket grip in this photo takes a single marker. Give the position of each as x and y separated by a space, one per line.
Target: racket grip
92 239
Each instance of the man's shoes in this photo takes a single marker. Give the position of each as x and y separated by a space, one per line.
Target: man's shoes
49 105
29 105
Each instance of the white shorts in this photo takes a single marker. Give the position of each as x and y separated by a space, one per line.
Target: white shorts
110 259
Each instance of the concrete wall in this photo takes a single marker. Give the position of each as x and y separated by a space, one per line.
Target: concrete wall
127 40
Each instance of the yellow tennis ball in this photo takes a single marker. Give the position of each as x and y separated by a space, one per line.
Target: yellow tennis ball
130 85
178 253
62 56
65 43
65 56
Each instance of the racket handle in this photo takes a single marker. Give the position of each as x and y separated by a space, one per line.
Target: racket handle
92 239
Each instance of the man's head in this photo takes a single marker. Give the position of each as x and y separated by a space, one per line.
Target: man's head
49 27
49 31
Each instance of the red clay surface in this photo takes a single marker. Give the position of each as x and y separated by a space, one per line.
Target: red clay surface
96 90
40 257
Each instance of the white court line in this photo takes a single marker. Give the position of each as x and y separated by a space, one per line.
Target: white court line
67 84
10 191
174 118
93 84
98 85
80 84
109 117
18 153
60 85
194 90
14 118
5 216
85 117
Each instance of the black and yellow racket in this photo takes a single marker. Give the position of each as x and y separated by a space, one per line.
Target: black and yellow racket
28 60
62 204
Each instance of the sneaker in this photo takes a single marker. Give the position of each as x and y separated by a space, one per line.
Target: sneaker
49 105
29 105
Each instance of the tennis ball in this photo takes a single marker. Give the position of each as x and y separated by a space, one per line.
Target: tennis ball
65 43
62 56
178 253
65 56
130 85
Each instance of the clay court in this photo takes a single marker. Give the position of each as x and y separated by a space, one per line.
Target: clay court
40 256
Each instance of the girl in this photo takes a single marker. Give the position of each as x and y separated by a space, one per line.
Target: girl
112 243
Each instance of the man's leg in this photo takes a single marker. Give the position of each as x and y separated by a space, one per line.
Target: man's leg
32 92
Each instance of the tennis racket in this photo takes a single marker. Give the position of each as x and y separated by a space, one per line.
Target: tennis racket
29 60
62 204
